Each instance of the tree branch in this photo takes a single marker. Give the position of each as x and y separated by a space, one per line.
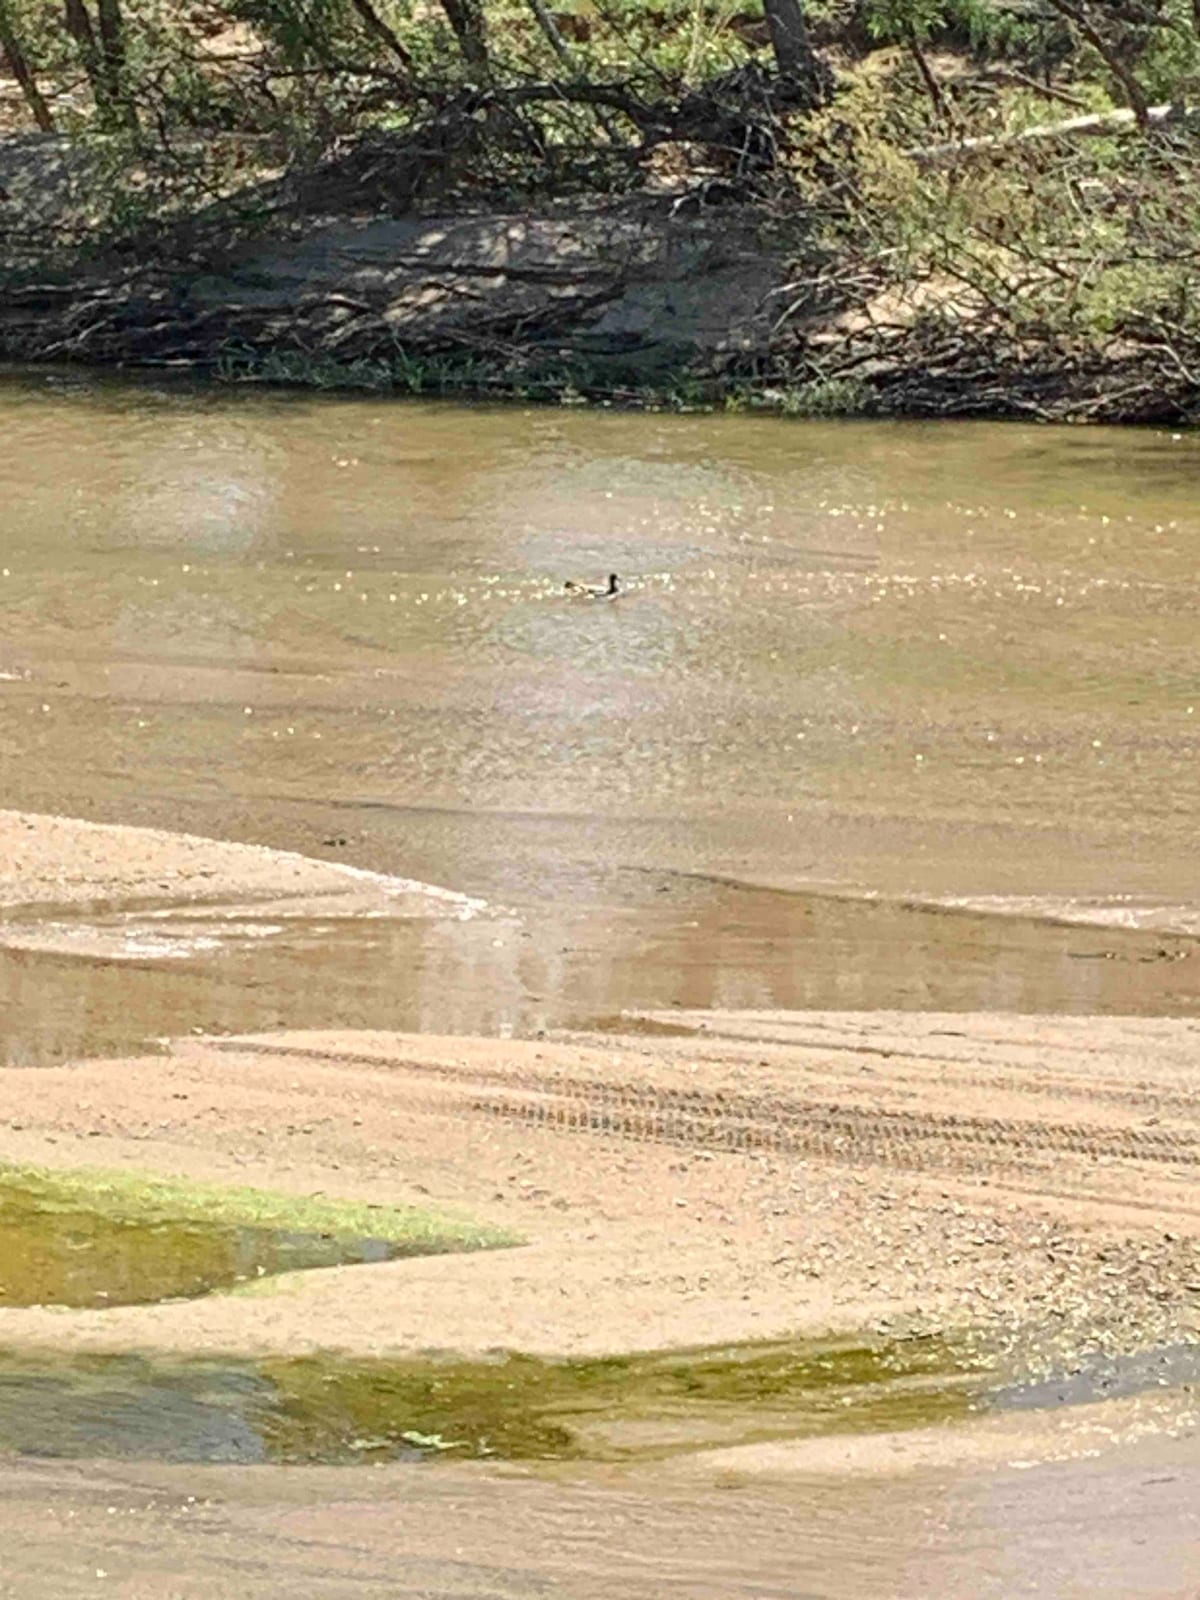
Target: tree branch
18 63
1111 57
376 25
1098 125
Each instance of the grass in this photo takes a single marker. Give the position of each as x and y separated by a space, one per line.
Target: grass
580 381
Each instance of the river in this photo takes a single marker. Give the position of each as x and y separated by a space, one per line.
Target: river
887 714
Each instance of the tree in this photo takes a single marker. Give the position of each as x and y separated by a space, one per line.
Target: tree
18 64
112 51
797 61
470 29
1112 52
101 49
376 25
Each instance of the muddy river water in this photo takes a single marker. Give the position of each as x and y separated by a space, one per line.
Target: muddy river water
887 714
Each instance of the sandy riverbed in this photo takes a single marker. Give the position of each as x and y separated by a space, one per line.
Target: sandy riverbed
51 863
756 1177
702 1177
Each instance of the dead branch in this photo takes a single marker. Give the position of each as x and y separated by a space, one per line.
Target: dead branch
1097 125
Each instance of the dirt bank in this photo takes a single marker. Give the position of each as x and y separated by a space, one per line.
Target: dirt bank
685 296
618 297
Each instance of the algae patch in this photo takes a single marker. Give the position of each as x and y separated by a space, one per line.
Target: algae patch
95 1238
630 1407
336 1410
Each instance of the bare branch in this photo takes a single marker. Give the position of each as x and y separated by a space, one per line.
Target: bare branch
1099 125
1109 54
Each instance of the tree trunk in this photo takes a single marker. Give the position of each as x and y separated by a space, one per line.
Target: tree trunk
95 61
470 28
112 55
795 57
375 24
789 37
79 26
18 63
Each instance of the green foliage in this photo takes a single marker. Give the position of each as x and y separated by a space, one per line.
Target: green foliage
1079 250
1080 244
824 397
1169 59
991 30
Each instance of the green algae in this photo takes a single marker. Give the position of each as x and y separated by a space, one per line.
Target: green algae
97 1238
334 1409
522 1408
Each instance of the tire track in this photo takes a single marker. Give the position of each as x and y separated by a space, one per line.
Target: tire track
735 1121
838 1131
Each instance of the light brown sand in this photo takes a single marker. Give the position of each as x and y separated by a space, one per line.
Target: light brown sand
51 862
931 1171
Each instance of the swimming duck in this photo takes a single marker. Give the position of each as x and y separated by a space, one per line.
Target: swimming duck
593 591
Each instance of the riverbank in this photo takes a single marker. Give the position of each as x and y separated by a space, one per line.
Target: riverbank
663 299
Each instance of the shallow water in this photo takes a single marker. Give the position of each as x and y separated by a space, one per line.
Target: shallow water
68 1244
955 665
595 968
333 1409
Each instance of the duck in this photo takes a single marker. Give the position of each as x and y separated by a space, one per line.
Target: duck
593 591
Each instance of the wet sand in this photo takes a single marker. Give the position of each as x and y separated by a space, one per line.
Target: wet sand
49 862
1120 1526
117 937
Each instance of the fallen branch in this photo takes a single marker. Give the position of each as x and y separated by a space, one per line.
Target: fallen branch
1097 125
